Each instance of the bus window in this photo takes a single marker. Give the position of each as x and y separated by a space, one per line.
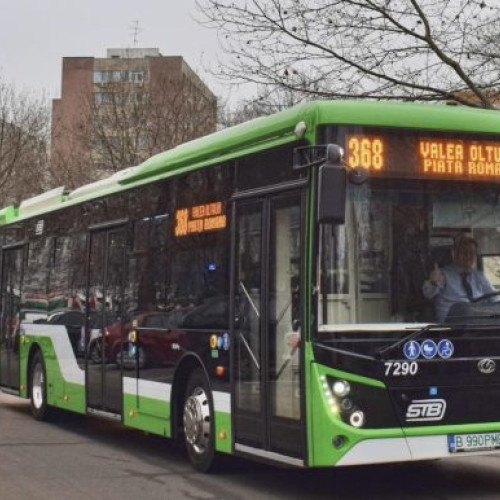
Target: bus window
490 264
372 269
356 259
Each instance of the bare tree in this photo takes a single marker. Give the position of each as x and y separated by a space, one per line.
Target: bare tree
125 124
24 125
266 102
70 160
425 50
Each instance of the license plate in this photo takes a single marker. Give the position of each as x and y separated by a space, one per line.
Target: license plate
473 442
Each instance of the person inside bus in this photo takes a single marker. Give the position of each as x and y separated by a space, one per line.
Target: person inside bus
458 282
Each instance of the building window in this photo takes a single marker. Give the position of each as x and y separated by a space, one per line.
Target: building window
102 98
137 98
143 142
138 76
103 77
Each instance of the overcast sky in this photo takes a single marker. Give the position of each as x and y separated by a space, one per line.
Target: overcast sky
36 34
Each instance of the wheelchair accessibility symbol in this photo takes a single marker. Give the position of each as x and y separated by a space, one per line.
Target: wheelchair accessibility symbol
446 349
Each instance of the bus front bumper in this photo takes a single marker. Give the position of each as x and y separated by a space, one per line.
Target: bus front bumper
403 449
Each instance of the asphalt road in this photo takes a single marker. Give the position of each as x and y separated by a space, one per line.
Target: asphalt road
80 458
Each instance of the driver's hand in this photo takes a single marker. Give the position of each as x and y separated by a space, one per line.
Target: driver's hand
436 277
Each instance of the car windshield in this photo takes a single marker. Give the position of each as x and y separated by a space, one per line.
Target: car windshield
373 269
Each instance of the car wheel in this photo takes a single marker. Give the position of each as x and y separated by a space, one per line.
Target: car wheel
142 359
95 353
198 422
123 358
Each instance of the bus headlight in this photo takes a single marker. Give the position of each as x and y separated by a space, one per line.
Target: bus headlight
357 419
358 404
346 404
341 388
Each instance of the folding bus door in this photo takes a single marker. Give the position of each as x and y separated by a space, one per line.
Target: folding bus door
105 296
266 347
12 267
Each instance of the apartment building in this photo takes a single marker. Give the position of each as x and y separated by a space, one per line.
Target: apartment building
119 110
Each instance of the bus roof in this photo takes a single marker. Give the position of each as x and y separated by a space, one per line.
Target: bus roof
262 133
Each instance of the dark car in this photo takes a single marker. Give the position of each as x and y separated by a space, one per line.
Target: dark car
75 323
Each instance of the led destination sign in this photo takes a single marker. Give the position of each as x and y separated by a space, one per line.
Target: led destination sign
424 156
366 151
457 158
200 219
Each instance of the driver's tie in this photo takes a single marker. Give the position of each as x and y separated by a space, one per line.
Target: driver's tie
466 285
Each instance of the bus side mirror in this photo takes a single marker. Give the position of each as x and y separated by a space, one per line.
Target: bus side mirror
332 187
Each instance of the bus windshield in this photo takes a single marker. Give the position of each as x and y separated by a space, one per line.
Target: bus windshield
373 270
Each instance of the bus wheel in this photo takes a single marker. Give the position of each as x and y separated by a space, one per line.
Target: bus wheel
38 392
198 420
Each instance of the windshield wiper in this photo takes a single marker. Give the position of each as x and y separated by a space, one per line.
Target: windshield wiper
476 316
380 353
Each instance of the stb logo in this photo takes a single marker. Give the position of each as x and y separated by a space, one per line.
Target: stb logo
486 366
426 410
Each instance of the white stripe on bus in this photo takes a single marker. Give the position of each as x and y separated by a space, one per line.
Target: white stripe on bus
72 373
147 388
65 355
163 392
222 401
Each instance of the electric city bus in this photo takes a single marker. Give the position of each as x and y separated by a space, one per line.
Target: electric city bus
259 291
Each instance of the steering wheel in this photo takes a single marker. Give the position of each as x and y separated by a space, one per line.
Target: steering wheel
486 296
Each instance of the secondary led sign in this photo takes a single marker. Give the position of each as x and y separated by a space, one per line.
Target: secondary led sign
200 219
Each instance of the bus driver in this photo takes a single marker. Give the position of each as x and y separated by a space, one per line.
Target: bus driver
459 281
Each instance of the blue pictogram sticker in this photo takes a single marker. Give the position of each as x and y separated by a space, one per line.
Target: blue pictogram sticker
446 349
411 350
220 342
428 349
433 391
225 341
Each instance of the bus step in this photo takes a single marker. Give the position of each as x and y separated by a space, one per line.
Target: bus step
104 414
12 392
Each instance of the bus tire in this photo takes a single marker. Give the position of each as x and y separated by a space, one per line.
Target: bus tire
198 420
38 389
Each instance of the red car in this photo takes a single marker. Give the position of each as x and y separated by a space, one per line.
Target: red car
158 343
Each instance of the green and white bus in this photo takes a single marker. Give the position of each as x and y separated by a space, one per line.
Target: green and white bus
257 293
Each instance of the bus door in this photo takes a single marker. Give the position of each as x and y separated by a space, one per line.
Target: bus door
12 266
266 331
105 296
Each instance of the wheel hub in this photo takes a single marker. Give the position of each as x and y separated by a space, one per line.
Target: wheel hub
197 420
37 386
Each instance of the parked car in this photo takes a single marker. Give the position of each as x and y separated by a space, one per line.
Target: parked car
159 340
75 322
